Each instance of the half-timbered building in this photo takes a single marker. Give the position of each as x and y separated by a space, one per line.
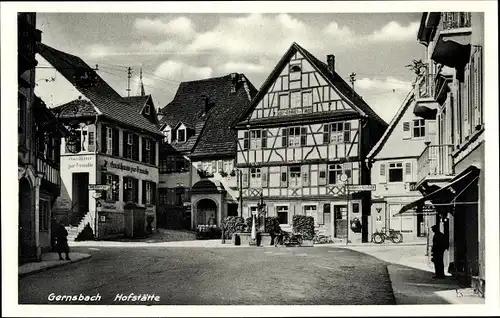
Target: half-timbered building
39 135
113 141
304 130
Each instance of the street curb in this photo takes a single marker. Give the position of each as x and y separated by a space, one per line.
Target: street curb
38 270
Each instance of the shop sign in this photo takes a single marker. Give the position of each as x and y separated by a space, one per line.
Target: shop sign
77 162
124 167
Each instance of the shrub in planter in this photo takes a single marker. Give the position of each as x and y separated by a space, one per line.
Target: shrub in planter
304 225
86 234
272 225
231 225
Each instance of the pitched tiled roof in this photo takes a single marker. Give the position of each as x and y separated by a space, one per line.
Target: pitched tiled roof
213 134
137 101
108 102
394 122
335 80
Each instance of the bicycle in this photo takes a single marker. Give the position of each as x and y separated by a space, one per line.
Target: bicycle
394 236
292 239
321 239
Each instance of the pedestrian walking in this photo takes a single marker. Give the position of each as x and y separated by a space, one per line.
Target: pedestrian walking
61 236
439 245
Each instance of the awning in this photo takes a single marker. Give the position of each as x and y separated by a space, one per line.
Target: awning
446 195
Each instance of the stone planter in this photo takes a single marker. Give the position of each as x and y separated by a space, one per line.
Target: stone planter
243 239
265 239
307 243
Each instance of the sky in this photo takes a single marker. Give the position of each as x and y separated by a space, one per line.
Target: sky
171 48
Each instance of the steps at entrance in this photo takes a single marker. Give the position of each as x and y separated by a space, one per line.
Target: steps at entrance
73 231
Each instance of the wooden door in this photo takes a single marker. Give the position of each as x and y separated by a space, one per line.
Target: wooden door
340 215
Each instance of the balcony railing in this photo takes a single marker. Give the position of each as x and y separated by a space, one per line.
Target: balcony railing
425 86
455 20
434 161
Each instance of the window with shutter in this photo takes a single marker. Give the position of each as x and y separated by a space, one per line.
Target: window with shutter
284 177
144 194
116 142
303 136
406 130
136 148
264 139
103 135
326 134
91 138
284 137
322 174
246 141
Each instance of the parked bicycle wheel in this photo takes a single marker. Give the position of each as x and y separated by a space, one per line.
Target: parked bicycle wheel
378 238
396 237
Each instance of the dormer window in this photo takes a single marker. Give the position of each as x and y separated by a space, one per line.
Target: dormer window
146 110
181 135
167 134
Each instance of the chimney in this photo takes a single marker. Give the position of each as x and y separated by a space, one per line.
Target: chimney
204 103
234 82
330 61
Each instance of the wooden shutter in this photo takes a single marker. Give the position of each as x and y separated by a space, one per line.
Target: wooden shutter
408 172
91 132
264 139
326 134
478 94
136 190
116 141
319 216
153 151
466 101
284 137
144 192
303 136
383 173
125 144
143 159
246 140
264 174
135 148
284 177
406 130
322 174
103 138
304 174
244 177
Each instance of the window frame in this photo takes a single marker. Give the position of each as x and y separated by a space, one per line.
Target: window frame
395 166
183 131
337 169
109 140
418 125
255 141
279 209
295 181
255 177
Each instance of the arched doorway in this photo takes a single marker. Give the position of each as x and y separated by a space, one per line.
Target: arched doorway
206 212
26 215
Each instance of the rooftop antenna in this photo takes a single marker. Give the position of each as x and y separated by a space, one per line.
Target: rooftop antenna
129 76
142 84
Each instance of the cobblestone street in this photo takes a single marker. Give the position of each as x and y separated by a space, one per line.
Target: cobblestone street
220 276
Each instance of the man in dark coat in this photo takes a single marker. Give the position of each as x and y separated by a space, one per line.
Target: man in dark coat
439 245
61 236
